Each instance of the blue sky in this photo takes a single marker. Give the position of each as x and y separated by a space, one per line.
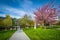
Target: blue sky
18 8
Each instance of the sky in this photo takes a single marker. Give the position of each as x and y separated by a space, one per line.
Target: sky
18 8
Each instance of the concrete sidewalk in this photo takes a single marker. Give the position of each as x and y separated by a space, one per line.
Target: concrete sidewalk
19 35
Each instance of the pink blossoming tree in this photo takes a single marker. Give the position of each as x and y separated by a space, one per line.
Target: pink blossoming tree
46 15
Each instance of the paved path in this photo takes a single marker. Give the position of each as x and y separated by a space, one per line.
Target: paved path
19 35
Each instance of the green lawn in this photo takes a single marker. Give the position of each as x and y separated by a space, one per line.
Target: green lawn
41 34
6 35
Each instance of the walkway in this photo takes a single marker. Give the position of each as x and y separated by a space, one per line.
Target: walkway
19 35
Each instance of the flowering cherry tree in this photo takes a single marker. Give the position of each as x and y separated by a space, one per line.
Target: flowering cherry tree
46 15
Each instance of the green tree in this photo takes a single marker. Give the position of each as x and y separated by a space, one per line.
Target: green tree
1 23
7 21
14 22
25 21
31 23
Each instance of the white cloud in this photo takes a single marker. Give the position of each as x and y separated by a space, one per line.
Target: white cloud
13 12
15 16
2 15
16 11
25 3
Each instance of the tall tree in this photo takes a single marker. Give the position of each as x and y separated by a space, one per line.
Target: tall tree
26 21
7 21
46 15
14 22
1 23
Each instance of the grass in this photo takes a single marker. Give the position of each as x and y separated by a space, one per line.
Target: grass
5 35
41 34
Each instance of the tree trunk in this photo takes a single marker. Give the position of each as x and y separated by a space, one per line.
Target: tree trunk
45 24
35 25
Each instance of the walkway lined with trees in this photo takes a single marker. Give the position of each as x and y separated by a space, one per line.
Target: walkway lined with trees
19 35
45 25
